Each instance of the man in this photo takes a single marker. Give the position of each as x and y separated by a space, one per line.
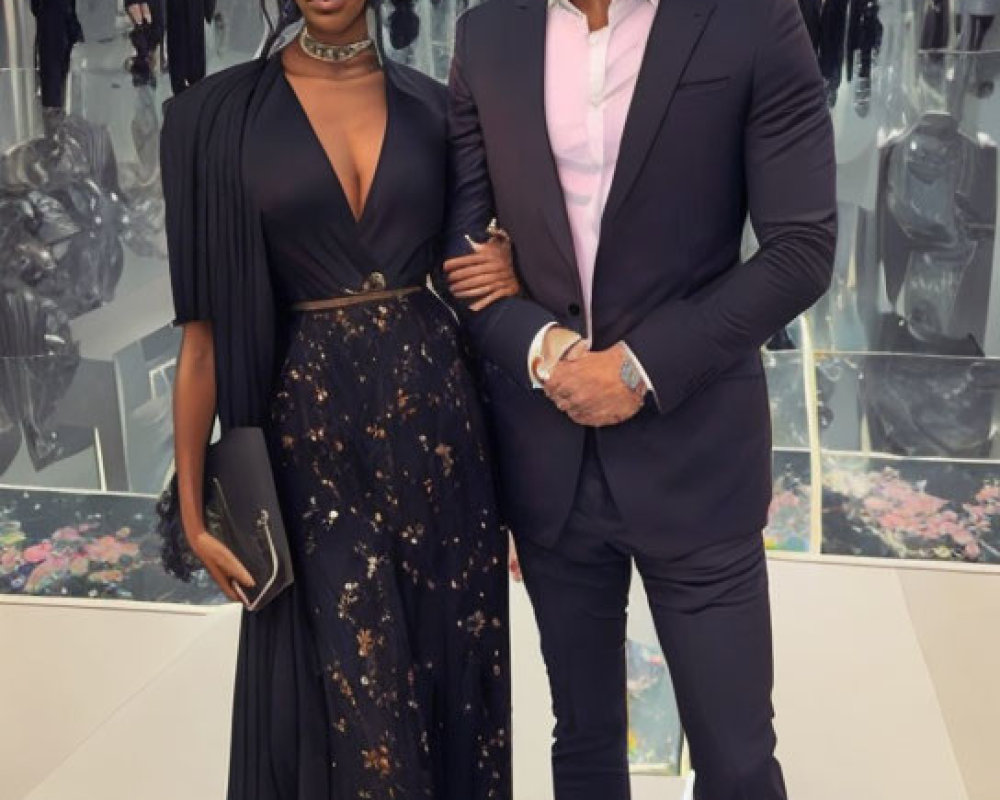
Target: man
621 145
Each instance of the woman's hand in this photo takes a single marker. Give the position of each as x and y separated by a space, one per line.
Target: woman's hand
485 275
224 567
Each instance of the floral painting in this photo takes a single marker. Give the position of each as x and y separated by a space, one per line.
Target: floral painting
789 517
897 508
64 544
654 734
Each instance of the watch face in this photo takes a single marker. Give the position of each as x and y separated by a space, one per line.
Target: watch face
630 375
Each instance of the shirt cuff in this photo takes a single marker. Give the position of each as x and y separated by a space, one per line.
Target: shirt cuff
535 353
639 368
548 349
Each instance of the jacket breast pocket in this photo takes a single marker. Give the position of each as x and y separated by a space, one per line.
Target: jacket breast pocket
697 86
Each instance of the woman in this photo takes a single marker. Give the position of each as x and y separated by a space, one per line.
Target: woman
305 198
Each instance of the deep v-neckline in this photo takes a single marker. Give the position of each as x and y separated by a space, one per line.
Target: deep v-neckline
366 203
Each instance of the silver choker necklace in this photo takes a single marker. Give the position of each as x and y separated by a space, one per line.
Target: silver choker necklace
333 53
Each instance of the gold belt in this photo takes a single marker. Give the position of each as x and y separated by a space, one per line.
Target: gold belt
355 299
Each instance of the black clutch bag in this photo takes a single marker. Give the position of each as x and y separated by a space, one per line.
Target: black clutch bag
241 511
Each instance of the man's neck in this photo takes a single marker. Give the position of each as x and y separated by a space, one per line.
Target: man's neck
596 12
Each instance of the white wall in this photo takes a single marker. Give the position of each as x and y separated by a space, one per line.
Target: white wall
887 690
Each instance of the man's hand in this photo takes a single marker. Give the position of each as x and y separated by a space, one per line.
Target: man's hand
589 388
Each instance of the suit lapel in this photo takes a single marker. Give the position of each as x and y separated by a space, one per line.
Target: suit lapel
528 83
675 33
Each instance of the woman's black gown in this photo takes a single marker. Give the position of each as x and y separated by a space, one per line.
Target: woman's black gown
383 672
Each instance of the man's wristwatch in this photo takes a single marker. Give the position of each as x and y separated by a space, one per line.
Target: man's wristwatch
630 375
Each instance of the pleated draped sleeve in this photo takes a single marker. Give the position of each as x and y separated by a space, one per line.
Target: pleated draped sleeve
218 263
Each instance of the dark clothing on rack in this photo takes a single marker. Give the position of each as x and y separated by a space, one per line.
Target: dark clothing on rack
157 21
57 31
147 35
186 21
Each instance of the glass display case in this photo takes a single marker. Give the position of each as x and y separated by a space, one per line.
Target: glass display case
901 359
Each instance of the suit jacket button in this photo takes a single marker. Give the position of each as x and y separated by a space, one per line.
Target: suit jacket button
574 310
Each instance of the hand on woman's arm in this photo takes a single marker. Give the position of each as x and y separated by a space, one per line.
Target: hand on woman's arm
485 275
194 415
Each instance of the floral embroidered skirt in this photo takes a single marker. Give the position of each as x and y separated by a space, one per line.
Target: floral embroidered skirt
383 673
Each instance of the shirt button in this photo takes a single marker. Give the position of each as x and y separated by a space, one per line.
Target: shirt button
574 310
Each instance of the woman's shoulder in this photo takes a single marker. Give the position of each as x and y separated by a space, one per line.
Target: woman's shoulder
423 86
210 95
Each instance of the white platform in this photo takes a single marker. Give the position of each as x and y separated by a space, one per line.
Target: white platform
886 678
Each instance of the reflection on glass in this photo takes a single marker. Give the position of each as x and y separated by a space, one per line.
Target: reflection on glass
654 731
431 52
896 508
785 385
655 740
144 374
77 231
914 406
836 317
937 228
790 518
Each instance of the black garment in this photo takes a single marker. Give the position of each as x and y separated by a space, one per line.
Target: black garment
383 672
711 611
146 37
811 12
57 31
728 117
186 21
218 263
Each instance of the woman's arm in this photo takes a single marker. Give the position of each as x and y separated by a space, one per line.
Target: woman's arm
194 416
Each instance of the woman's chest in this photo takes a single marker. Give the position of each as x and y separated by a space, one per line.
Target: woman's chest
365 164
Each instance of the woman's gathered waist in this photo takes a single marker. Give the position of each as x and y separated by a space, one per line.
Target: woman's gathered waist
373 290
347 300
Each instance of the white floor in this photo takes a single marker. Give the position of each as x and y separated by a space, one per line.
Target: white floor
886 690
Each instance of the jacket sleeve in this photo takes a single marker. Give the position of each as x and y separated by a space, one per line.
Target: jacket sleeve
791 193
502 332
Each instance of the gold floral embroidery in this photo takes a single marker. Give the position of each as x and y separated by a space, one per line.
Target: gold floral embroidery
373 455
377 760
443 451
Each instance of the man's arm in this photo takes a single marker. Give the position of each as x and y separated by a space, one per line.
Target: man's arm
791 182
504 331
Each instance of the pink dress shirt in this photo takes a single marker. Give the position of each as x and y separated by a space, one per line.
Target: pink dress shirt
590 78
